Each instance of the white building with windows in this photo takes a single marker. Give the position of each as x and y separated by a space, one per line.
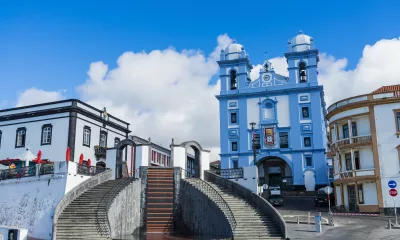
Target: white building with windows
53 127
365 146
147 153
30 194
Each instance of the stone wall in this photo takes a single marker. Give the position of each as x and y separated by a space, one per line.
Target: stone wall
200 214
125 212
29 203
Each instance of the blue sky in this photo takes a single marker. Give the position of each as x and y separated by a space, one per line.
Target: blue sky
50 44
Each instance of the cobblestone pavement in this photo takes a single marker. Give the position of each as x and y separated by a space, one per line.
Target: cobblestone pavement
346 227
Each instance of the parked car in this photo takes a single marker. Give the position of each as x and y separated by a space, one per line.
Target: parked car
275 196
321 198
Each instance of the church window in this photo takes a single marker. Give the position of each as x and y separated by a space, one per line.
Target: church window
302 72
269 110
307 141
308 161
234 146
266 67
257 143
283 139
233 118
233 80
305 112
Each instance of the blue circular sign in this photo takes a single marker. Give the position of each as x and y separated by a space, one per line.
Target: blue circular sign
392 184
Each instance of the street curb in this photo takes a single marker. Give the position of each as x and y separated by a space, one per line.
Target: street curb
299 196
357 214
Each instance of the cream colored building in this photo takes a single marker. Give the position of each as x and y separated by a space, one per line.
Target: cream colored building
365 146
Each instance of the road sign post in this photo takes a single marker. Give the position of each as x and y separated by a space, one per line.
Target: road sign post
328 190
393 193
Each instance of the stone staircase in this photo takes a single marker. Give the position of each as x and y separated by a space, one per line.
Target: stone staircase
251 223
160 200
80 219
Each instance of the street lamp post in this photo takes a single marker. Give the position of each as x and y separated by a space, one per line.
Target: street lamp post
253 124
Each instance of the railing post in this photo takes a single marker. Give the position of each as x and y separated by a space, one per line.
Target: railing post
37 170
298 219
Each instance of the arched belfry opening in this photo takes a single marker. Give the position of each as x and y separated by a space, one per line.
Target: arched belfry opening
275 172
191 157
233 80
302 72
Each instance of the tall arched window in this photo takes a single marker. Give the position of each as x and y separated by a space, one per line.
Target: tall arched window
302 72
233 80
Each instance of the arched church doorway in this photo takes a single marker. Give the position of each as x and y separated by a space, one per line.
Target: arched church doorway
121 168
275 172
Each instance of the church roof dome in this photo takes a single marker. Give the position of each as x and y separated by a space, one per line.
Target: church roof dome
233 51
301 42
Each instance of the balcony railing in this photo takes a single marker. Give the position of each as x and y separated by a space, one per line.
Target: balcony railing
44 169
365 139
229 173
100 152
354 173
89 170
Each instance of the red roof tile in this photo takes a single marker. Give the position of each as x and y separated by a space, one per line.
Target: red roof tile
386 89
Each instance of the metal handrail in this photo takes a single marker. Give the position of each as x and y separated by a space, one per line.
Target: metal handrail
102 222
217 198
229 173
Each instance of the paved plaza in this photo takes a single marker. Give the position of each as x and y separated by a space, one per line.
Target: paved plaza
346 227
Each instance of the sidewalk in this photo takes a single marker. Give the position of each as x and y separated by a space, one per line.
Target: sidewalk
346 228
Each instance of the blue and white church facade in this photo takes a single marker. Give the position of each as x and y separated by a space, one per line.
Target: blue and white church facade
282 117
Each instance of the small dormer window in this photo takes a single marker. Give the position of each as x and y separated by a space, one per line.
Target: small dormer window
233 80
302 72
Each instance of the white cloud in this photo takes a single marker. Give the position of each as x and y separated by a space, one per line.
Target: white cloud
377 67
35 96
223 41
164 94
